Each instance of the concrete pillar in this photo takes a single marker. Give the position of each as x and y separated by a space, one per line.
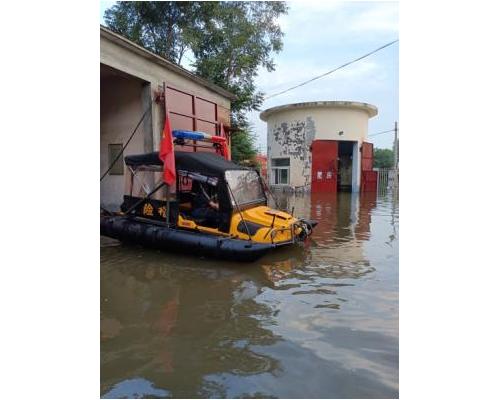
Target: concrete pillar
147 124
356 167
158 118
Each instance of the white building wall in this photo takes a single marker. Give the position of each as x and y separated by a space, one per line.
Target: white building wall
291 130
121 109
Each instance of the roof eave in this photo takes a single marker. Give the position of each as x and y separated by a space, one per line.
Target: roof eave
122 41
370 109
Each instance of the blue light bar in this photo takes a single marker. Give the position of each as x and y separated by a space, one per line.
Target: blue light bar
193 135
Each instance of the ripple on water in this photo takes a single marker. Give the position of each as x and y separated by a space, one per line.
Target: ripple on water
313 321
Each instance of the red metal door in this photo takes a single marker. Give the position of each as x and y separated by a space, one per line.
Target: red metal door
324 166
369 177
193 113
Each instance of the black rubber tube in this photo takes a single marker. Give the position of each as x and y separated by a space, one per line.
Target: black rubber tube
128 230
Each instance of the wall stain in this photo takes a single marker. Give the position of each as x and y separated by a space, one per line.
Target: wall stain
294 139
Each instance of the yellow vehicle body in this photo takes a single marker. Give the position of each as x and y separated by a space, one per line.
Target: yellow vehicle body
261 224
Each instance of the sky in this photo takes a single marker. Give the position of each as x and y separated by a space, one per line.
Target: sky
322 35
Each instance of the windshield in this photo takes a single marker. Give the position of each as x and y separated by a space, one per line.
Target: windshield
245 186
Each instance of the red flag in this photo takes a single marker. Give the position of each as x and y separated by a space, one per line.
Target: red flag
222 141
167 151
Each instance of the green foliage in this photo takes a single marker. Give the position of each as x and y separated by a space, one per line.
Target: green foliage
243 148
233 45
230 41
162 27
383 158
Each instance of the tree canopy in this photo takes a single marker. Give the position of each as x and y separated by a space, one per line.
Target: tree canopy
383 158
243 145
230 41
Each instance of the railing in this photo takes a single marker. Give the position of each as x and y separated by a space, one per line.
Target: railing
388 179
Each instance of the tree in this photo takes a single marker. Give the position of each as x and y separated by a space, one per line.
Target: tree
243 148
162 27
383 158
230 41
231 48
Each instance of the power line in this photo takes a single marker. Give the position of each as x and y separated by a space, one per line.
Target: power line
128 141
333 70
379 133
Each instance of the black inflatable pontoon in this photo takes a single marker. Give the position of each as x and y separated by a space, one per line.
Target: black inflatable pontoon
130 230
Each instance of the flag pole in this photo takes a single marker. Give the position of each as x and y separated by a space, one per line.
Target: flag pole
168 186
167 155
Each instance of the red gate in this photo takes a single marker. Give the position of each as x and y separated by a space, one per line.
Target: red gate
193 113
324 166
368 175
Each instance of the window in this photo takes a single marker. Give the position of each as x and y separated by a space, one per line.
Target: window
113 151
280 171
245 186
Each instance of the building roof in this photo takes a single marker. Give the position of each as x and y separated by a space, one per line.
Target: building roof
371 110
124 42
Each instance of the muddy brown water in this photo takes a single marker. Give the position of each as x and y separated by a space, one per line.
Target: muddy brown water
312 321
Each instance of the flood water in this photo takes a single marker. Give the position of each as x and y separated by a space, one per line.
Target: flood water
312 321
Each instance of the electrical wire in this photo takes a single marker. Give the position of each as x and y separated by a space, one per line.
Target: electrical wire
333 70
379 133
128 141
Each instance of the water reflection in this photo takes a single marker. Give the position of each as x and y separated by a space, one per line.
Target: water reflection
319 320
172 325
335 250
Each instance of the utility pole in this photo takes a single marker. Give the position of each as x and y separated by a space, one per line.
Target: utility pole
396 156
395 146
